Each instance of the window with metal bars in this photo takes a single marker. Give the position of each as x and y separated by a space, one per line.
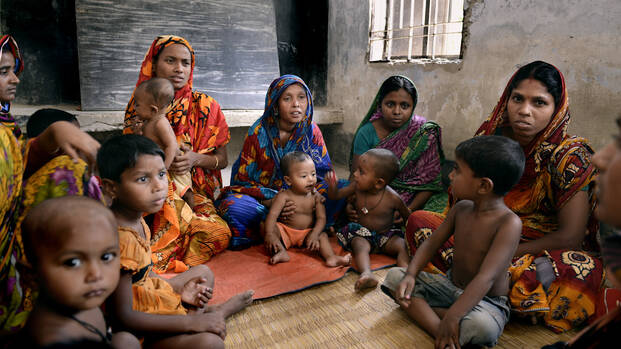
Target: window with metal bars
411 30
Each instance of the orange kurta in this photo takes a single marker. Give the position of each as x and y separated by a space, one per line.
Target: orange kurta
150 294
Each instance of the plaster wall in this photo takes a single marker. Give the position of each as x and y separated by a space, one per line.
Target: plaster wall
580 37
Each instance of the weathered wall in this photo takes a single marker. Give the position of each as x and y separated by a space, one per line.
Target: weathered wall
580 37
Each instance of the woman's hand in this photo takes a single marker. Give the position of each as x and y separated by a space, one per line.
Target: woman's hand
184 161
287 211
69 139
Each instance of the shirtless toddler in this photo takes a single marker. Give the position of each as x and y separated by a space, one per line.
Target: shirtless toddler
375 203
469 305
305 226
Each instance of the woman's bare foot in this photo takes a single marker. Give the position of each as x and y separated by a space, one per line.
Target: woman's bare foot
280 257
366 280
338 261
235 303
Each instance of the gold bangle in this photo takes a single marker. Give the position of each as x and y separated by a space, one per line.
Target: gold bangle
216 167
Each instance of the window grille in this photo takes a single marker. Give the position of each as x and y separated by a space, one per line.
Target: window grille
407 30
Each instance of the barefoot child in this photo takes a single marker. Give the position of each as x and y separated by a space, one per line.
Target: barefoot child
305 226
169 313
151 100
469 304
73 248
375 203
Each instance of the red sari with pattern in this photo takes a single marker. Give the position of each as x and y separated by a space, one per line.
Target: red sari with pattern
557 167
182 237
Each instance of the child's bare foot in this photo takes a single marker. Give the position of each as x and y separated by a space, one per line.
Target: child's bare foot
366 280
338 261
235 303
280 257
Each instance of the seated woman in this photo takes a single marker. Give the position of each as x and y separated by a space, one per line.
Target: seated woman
32 171
286 125
391 124
553 278
183 236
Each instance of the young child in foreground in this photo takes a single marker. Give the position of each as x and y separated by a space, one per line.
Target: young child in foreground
376 203
152 99
305 226
73 248
469 304
168 312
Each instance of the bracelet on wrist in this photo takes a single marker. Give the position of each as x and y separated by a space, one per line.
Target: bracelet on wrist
217 162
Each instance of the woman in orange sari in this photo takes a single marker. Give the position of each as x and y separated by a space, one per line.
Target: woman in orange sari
554 275
183 236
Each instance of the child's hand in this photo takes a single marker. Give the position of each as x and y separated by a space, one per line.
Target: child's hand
331 178
448 332
272 243
211 322
312 242
196 292
352 215
404 290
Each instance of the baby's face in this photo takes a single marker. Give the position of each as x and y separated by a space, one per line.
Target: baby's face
302 176
81 268
364 175
142 105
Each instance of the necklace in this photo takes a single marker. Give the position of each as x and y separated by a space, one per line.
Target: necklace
91 328
366 210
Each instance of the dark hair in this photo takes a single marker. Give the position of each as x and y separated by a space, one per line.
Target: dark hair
395 83
498 158
43 118
161 90
386 164
291 158
543 72
121 152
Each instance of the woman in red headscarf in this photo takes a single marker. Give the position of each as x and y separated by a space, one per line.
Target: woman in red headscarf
554 276
182 236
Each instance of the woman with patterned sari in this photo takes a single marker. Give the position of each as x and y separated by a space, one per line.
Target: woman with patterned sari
285 126
27 177
391 124
183 236
555 276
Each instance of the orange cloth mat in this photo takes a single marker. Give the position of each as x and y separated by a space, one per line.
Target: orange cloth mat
237 271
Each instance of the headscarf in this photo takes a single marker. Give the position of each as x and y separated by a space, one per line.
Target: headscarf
257 170
557 167
195 117
418 146
8 43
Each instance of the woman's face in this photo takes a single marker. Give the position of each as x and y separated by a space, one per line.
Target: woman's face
608 161
8 79
530 110
397 107
292 104
174 63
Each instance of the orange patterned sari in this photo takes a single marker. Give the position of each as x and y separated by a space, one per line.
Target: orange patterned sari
182 237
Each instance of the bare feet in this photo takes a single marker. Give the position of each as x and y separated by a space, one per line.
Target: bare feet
338 261
235 303
366 280
280 257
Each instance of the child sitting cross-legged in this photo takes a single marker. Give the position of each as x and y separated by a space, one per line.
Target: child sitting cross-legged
167 312
376 204
469 305
305 226
73 247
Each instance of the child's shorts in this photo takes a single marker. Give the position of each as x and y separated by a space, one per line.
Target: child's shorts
292 237
481 326
377 241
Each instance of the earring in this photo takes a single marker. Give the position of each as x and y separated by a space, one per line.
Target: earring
276 112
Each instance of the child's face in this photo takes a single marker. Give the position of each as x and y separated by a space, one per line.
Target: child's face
364 176
397 107
463 181
608 161
81 269
144 187
143 105
302 176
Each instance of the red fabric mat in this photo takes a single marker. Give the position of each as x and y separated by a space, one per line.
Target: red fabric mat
237 271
